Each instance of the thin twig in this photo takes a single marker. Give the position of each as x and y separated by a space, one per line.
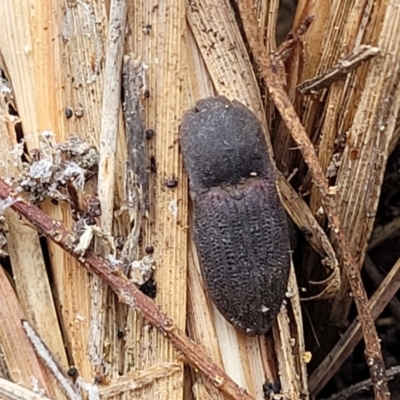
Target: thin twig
110 111
340 70
127 293
107 159
269 68
51 364
284 51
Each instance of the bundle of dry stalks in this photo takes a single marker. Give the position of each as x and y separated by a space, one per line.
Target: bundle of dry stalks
92 95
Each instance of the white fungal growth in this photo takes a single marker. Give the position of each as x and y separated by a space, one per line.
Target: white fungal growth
141 270
73 172
42 170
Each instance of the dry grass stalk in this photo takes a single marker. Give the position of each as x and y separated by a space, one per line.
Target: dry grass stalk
30 275
158 42
208 327
80 41
292 358
346 26
22 362
369 137
200 324
35 300
136 380
302 216
278 23
110 111
376 276
344 116
80 30
52 75
126 291
107 164
200 321
282 102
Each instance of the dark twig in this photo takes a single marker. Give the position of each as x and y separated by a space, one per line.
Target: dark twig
127 293
377 277
269 67
349 339
350 391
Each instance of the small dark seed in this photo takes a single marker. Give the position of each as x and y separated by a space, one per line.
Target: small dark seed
68 113
150 249
146 93
171 183
72 372
120 334
149 134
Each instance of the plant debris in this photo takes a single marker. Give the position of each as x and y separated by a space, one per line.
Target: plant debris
54 165
141 270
